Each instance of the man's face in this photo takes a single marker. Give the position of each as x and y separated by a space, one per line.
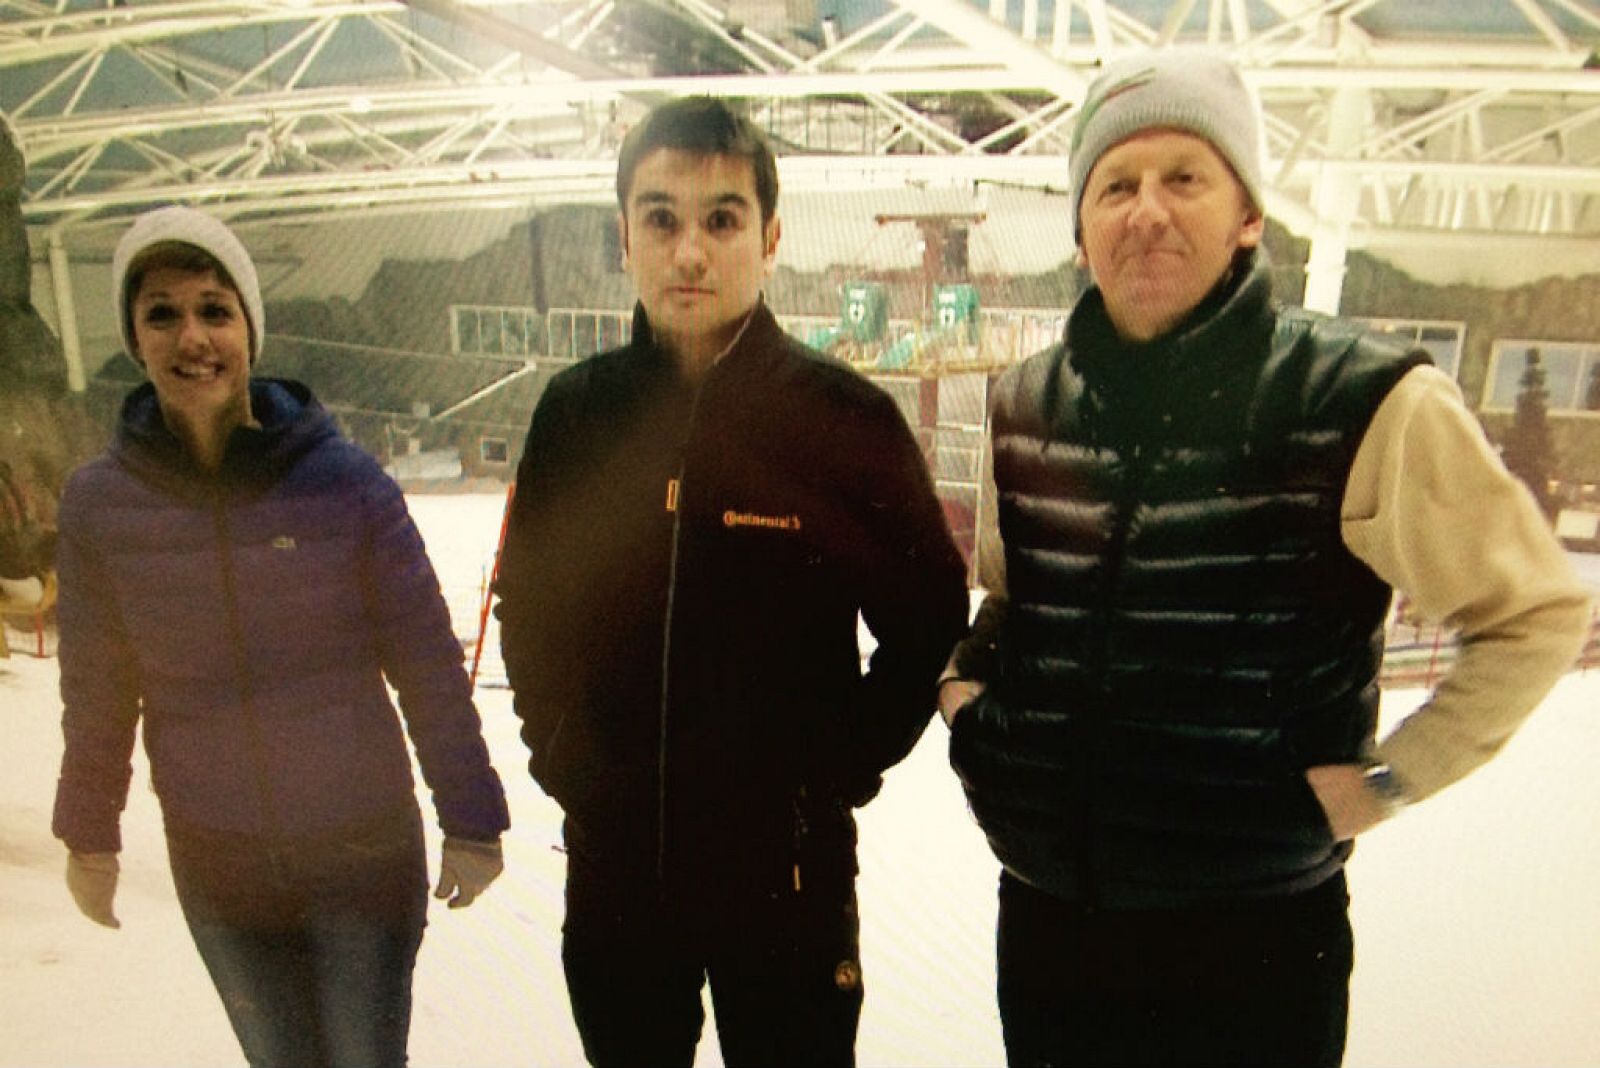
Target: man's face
695 246
1163 215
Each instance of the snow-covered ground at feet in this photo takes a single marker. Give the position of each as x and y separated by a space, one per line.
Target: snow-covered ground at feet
1476 915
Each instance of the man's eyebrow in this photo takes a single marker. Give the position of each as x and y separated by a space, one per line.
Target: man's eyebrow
1187 157
653 197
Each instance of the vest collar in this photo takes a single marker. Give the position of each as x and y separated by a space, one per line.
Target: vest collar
1217 329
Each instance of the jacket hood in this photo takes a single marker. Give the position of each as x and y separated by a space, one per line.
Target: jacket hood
292 422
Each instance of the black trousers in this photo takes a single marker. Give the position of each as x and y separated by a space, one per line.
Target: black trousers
783 963
1259 983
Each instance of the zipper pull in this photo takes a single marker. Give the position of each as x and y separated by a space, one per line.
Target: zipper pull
672 495
800 829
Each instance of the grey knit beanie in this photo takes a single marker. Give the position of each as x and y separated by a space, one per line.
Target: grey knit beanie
1196 90
190 227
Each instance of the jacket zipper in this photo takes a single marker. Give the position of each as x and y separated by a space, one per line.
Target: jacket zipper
674 494
1086 863
230 596
674 504
802 831
1141 454
1142 450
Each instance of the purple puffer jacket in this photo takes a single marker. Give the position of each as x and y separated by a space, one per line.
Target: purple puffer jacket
251 618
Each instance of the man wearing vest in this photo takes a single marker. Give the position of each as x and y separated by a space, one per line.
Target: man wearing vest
1165 714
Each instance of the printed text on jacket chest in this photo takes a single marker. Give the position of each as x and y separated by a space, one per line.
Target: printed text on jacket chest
777 522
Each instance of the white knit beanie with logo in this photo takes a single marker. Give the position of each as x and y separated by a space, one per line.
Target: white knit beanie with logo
189 227
1196 90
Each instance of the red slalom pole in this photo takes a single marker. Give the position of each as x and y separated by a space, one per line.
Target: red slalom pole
488 591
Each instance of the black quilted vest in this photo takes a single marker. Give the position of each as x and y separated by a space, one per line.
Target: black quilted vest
1186 631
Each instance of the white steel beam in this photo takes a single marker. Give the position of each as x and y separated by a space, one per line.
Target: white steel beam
274 58
67 314
1510 128
891 46
1334 198
1061 29
965 23
91 59
849 41
73 32
1176 17
1239 20
1540 20
1099 27
1583 12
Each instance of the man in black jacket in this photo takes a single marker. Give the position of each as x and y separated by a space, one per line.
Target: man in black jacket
699 518
1165 718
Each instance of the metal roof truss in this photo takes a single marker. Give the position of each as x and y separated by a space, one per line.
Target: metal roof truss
297 107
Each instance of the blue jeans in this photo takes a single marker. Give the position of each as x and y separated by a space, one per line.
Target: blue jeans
310 945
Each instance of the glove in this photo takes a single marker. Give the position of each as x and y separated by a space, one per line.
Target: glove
92 878
466 868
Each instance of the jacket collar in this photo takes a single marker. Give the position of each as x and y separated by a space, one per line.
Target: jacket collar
1219 328
292 422
757 337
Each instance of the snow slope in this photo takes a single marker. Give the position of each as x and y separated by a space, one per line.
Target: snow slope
1475 914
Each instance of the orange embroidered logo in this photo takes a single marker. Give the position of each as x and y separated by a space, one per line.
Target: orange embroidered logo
731 519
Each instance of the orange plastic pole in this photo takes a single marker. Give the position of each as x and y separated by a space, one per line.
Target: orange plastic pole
488 591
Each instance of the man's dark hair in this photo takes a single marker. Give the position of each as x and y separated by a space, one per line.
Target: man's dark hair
705 126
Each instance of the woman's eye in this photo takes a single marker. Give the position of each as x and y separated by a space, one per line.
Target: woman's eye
160 314
217 313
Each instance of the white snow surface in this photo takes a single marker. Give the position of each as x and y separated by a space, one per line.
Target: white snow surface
1476 915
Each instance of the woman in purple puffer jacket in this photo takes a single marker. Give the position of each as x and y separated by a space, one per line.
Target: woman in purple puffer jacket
245 580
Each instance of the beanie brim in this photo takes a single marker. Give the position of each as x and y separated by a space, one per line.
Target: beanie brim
189 227
1193 90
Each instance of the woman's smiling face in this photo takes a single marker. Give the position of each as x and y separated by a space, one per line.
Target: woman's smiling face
193 338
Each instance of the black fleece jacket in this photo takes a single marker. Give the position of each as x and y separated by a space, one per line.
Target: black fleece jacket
679 593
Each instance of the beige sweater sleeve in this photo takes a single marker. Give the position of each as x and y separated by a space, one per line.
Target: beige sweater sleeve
991 553
1432 510
990 572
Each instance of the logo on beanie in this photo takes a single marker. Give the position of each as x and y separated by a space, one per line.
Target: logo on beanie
1136 80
